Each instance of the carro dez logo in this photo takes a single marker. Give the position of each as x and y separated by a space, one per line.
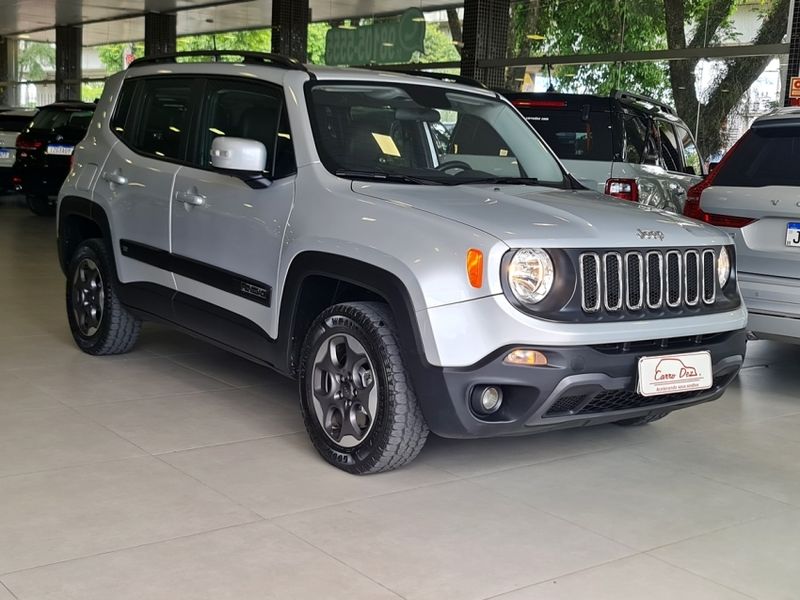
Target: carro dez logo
673 369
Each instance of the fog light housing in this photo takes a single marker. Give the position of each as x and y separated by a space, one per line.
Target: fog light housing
526 357
487 399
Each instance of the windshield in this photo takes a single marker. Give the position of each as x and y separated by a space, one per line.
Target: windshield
426 134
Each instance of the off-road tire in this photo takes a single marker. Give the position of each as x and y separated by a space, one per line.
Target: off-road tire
118 329
399 430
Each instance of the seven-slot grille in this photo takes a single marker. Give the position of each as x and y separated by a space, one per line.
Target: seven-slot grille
650 279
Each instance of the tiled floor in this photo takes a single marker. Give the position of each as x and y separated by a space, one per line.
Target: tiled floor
179 471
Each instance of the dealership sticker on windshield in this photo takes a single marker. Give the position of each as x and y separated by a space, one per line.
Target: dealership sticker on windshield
60 149
675 373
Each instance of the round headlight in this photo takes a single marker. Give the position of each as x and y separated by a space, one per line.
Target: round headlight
530 275
723 267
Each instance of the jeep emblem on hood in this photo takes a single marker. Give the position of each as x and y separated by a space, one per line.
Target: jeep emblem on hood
647 234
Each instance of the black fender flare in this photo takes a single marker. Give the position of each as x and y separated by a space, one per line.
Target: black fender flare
85 208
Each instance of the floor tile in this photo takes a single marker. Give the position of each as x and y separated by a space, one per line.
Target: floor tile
70 513
18 394
258 561
630 499
760 558
54 438
276 476
454 540
232 369
185 421
634 578
97 380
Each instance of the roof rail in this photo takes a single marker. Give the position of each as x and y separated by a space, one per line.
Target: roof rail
447 77
621 95
247 56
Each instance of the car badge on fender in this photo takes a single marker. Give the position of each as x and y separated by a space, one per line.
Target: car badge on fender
648 234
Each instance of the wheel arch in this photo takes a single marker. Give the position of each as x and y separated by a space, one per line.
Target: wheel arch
79 219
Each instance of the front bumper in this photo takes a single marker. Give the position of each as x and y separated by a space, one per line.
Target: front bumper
583 385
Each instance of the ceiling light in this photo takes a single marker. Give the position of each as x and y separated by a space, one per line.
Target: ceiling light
24 36
387 44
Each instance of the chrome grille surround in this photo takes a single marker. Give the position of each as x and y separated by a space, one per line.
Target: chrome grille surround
647 279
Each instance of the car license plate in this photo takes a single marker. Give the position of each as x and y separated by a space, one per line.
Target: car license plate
793 234
675 373
5 154
60 149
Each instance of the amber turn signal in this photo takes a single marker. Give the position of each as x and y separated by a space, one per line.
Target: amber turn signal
475 267
525 357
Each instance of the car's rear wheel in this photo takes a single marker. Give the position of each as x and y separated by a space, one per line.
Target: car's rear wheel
358 403
99 323
40 205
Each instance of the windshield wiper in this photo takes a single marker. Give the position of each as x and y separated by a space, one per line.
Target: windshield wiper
383 176
501 180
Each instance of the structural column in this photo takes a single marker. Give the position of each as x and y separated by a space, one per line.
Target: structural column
160 33
290 28
7 72
485 36
793 69
69 46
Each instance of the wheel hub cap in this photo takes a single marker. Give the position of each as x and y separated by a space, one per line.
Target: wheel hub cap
344 394
88 297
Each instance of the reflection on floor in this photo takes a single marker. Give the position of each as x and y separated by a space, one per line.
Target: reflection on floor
179 471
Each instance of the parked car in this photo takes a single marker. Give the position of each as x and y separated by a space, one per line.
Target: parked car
12 122
304 218
754 194
44 152
626 145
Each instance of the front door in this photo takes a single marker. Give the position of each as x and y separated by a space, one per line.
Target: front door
227 232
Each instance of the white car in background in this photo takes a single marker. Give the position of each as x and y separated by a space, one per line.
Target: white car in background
755 194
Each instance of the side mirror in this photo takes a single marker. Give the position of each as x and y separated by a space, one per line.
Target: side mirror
238 154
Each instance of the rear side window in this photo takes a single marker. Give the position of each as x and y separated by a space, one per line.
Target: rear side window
767 156
571 136
121 120
163 126
670 148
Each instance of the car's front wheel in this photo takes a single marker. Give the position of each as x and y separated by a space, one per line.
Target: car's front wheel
100 324
358 403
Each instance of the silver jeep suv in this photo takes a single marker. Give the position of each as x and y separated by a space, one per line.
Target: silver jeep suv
304 218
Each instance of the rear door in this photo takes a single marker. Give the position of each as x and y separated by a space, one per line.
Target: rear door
760 180
580 135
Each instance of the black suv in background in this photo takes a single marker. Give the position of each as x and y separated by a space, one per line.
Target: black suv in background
12 121
44 151
626 145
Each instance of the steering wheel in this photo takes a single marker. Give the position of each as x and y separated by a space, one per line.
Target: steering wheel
454 164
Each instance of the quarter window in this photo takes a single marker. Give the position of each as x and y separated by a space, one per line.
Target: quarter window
670 149
122 112
691 157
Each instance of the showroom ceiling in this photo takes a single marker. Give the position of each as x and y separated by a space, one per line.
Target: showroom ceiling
108 21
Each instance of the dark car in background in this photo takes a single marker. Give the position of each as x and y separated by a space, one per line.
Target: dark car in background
44 151
625 145
12 122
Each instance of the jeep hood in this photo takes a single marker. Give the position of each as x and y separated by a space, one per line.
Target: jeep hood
524 216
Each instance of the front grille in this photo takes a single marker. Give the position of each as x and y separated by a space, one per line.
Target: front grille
647 280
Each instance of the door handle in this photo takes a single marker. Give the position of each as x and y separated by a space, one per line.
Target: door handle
115 177
190 198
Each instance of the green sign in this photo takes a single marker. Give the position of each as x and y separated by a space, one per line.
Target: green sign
385 41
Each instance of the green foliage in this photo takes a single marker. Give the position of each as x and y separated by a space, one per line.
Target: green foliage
91 90
439 47
316 42
113 55
34 59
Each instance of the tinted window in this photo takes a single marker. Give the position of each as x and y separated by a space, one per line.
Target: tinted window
165 117
122 112
252 111
571 136
763 157
52 118
670 148
691 157
635 139
13 123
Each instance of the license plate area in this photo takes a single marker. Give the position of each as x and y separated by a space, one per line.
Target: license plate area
675 373
5 154
60 150
793 235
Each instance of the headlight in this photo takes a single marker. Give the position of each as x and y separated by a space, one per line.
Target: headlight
723 267
530 275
